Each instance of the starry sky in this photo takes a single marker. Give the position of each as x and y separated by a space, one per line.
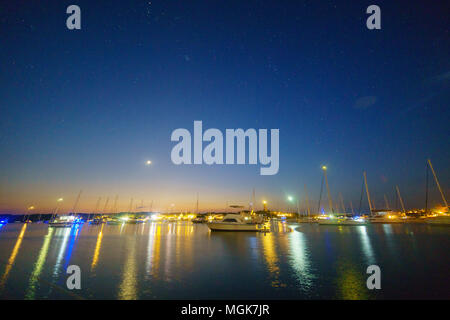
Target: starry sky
84 109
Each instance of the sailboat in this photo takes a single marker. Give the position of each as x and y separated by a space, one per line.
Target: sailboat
66 221
441 218
62 222
343 221
340 219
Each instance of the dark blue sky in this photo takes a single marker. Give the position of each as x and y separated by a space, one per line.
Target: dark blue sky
84 109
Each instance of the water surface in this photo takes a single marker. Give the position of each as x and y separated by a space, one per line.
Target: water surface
181 260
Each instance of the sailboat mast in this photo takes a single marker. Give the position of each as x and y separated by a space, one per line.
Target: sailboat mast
196 206
367 191
438 185
401 200
426 191
96 207
330 201
76 202
320 197
307 201
342 202
131 206
253 200
106 204
115 204
386 202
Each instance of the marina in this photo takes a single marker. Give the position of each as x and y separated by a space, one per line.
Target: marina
232 157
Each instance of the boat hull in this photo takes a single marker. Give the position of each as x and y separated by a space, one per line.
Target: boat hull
60 224
219 226
442 221
387 221
337 222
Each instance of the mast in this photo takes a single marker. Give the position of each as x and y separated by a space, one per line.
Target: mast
96 207
342 202
351 206
131 206
386 202
330 201
360 197
320 197
115 204
307 201
253 200
76 202
368 194
439 186
401 200
196 206
106 204
426 191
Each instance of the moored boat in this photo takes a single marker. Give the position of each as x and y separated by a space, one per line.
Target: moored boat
387 219
343 221
200 219
233 222
439 220
96 221
62 222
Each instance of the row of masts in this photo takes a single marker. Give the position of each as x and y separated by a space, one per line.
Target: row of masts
339 205
98 211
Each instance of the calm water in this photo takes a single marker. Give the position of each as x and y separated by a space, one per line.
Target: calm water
185 261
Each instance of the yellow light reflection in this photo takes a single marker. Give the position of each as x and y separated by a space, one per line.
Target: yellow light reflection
150 252
350 283
12 258
271 258
97 248
39 265
128 287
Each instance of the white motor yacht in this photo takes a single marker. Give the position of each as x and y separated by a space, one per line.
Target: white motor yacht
234 222
62 222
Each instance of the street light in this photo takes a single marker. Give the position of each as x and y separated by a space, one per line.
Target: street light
265 205
57 207
148 162
25 219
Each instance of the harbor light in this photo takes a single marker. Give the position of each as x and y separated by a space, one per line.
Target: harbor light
324 168
148 162
290 198
60 199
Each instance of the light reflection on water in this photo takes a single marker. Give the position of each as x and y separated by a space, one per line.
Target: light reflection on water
128 286
13 256
366 246
300 260
181 260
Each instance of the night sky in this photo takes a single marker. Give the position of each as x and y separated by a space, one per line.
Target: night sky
84 109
